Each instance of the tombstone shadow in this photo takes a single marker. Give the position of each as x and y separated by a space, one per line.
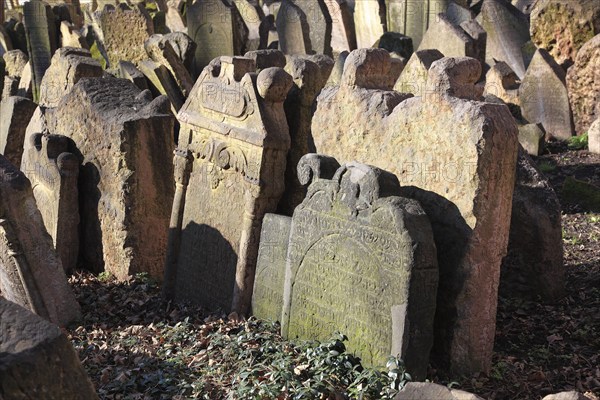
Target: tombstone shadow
451 234
91 250
206 267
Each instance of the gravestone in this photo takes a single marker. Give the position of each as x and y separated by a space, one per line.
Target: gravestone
319 24
293 29
457 156
531 137
125 181
397 43
14 63
71 37
174 20
122 32
563 26
583 85
68 66
465 40
267 58
25 87
162 52
40 32
129 71
217 29
594 137
37 360
369 22
502 82
432 391
53 169
252 16
267 296
413 78
31 274
413 18
162 83
507 33
543 96
232 148
361 261
309 78
15 113
343 37
534 264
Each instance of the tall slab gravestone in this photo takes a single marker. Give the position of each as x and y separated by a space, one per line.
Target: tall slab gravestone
362 261
229 170
413 18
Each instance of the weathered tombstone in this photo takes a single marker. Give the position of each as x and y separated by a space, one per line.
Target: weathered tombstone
502 82
594 137
413 78
37 360
583 85
25 87
457 157
162 83
531 137
458 13
15 113
507 32
267 296
465 40
292 29
68 66
217 29
343 37
318 22
41 40
252 16
267 58
534 264
162 52
15 62
5 41
543 96
129 71
232 147
71 37
432 391
369 22
183 45
413 18
123 33
563 26
126 176
362 261
53 170
31 274
173 17
309 78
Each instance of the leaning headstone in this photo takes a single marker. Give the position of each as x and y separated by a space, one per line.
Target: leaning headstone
232 147
457 157
163 83
37 357
15 113
31 274
217 29
71 37
563 26
41 40
162 52
507 32
413 78
68 66
267 296
543 96
583 85
413 18
126 179
252 16
123 33
534 264
369 22
25 87
465 40
361 260
343 37
127 70
594 137
183 45
53 169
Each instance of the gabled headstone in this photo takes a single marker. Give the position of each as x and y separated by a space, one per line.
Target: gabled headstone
217 29
15 113
465 40
583 85
413 78
31 274
40 31
37 357
68 66
413 18
125 148
457 157
563 26
362 261
232 148
543 96
369 22
53 170
507 32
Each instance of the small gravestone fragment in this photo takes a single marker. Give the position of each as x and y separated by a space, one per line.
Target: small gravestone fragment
37 357
362 261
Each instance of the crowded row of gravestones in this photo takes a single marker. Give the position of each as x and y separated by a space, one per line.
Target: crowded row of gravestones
261 210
